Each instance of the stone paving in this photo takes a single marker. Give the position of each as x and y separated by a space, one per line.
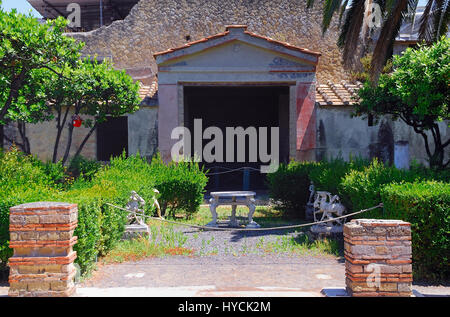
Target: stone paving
217 276
249 276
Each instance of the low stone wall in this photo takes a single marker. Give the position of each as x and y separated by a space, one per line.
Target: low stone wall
378 257
41 235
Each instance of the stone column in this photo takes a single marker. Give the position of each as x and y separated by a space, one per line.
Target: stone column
378 257
41 235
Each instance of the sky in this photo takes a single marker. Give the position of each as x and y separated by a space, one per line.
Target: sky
23 6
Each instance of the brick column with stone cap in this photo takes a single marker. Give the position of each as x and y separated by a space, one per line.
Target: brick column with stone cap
378 257
41 235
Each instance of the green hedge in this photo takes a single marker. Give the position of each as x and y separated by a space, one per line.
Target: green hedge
289 186
181 186
426 205
420 196
25 179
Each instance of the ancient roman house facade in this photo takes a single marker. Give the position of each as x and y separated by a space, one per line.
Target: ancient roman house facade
251 64
230 63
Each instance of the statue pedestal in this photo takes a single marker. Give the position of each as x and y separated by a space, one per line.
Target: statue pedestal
323 231
309 211
136 231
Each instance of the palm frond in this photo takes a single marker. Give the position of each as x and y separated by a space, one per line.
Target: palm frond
330 7
388 33
343 7
426 28
442 19
350 31
309 3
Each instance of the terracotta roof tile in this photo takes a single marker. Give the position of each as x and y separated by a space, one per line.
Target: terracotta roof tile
331 94
285 44
192 43
146 93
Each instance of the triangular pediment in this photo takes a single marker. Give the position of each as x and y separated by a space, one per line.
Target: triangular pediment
237 49
237 55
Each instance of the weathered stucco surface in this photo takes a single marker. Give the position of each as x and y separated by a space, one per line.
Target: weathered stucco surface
340 135
42 138
158 25
143 132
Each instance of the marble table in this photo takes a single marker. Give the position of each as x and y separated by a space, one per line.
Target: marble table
249 201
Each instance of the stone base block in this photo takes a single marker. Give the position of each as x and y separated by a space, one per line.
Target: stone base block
325 232
136 231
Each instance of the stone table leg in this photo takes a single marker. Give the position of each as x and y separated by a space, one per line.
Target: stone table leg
251 211
233 221
214 202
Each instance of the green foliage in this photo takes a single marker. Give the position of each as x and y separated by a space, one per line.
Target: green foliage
417 92
421 80
361 189
25 179
181 185
80 166
289 186
22 179
18 170
328 175
95 90
26 47
426 205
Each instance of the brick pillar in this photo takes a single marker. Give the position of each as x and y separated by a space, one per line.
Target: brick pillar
378 257
41 235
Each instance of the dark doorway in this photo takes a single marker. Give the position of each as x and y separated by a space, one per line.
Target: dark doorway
242 106
112 138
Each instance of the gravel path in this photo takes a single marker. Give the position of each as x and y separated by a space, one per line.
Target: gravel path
225 243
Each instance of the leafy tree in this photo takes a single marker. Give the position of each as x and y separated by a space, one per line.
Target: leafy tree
417 92
355 31
26 45
95 90
43 77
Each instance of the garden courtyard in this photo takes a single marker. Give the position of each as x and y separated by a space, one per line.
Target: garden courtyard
187 262
74 184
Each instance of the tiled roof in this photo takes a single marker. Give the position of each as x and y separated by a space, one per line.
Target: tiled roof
329 94
149 93
228 27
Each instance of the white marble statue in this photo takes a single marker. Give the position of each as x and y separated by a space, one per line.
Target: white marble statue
327 207
136 215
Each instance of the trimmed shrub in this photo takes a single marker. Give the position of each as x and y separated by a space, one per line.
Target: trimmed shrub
328 175
181 186
426 205
289 186
23 179
81 166
361 189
